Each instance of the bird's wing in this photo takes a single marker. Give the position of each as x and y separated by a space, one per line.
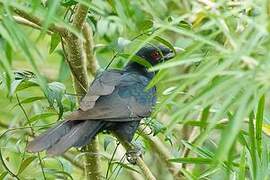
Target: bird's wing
127 100
104 84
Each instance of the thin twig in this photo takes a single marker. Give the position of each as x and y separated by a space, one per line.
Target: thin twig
140 163
163 153
110 162
32 131
23 21
53 27
5 166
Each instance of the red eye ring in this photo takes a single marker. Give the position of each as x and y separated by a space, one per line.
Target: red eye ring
155 55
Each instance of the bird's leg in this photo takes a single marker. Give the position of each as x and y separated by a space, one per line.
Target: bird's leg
133 153
124 132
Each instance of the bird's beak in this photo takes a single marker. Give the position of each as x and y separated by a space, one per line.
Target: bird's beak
172 54
168 56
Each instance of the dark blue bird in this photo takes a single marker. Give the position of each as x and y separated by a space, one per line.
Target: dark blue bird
116 101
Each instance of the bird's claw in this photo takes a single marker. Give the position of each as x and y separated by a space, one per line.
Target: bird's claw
133 155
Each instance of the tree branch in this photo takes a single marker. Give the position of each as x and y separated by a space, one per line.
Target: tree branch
92 64
76 60
163 153
35 20
140 163
92 165
22 21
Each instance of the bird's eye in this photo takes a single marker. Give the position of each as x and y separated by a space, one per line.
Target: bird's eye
155 55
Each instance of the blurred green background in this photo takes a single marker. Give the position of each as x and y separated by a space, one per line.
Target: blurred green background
212 115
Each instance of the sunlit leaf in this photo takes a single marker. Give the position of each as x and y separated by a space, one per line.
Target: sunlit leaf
55 40
126 166
41 116
26 163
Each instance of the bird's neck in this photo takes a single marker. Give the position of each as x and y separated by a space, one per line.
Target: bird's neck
138 68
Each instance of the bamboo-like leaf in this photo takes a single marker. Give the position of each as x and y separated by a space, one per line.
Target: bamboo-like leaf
55 40
252 147
242 168
189 160
3 175
26 163
259 123
138 60
165 42
230 133
41 116
51 13
30 100
126 166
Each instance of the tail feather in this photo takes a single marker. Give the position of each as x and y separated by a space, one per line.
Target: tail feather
50 137
77 134
88 136
64 136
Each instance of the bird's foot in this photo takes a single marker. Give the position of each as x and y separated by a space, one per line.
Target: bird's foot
133 155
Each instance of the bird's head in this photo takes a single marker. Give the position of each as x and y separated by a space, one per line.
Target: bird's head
155 54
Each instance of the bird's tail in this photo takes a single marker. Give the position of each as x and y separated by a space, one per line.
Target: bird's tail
65 135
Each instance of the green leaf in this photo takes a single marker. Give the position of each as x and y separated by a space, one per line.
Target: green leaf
187 174
54 93
242 168
177 62
9 52
41 116
234 126
155 126
22 80
137 59
259 124
252 145
67 3
165 42
107 140
51 13
126 166
58 173
3 175
189 160
64 71
35 4
205 115
5 34
55 40
30 100
26 163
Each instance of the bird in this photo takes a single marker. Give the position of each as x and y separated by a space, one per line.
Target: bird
116 101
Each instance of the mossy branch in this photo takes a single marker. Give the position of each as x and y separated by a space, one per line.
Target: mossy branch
162 151
35 20
76 60
88 45
140 163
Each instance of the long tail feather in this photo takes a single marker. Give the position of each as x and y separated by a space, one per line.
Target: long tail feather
82 132
64 136
49 137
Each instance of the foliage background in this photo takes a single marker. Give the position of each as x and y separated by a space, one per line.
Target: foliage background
212 118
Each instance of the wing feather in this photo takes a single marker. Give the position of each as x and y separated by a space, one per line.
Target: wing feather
104 84
116 96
